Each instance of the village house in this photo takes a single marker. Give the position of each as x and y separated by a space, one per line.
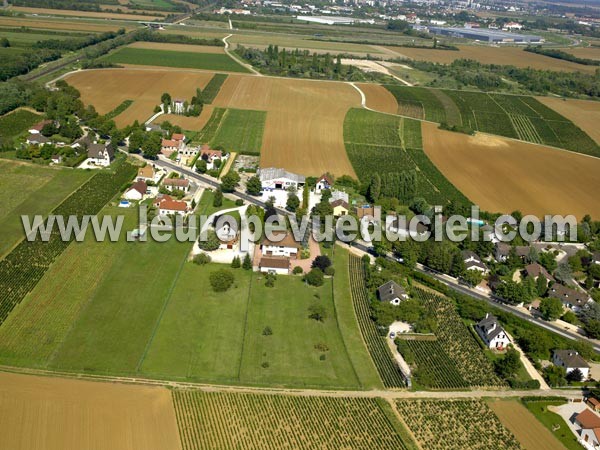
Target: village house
37 139
339 195
473 262
170 146
536 270
340 208
137 191
590 428
147 173
324 182
492 334
101 154
227 233
83 142
273 178
283 244
503 251
38 127
176 184
56 159
279 265
166 205
392 292
571 360
402 228
210 156
510 26
571 298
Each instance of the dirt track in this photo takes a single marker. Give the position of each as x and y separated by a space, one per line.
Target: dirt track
43 413
504 175
583 113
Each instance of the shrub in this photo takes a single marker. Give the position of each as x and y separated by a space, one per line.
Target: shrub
236 263
270 280
329 271
297 270
265 365
239 202
247 264
201 259
267 331
314 277
317 312
221 280
321 262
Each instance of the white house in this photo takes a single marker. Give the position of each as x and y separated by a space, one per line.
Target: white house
392 292
473 262
590 428
283 244
510 26
571 360
37 139
273 178
210 156
492 334
177 184
228 235
166 205
169 146
339 195
325 182
279 265
38 127
100 154
137 191
571 298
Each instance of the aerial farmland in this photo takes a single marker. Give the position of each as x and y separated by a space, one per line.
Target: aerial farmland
234 225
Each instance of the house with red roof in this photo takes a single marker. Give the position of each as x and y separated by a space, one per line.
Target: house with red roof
137 191
38 127
166 205
590 428
324 182
176 184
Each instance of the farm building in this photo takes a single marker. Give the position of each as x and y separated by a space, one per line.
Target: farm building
492 334
137 191
392 292
274 178
279 265
571 298
283 245
328 20
166 205
487 35
473 262
101 154
571 360
590 428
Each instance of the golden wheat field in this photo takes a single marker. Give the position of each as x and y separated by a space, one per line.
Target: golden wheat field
503 175
96 15
43 413
514 56
379 98
178 47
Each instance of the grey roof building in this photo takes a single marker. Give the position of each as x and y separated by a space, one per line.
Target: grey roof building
392 292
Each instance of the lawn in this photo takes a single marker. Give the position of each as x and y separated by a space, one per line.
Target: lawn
31 189
550 420
16 123
188 60
205 205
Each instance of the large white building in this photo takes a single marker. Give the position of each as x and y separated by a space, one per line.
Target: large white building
274 178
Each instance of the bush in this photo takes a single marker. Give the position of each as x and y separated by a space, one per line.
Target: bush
314 277
329 271
221 280
247 264
317 312
267 331
239 202
297 270
201 259
265 365
270 280
236 263
321 262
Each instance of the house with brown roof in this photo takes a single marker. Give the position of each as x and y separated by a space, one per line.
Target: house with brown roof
37 139
281 244
38 127
503 251
166 205
324 182
571 298
176 184
473 262
340 208
571 360
137 191
590 428
210 156
536 270
279 265
146 173
364 210
170 146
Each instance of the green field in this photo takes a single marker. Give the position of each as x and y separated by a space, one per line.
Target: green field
238 130
513 116
30 189
555 423
16 123
211 90
255 421
154 4
166 58
375 141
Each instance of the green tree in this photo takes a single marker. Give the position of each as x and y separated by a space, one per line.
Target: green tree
247 264
221 280
555 376
292 203
136 140
314 277
4 42
551 308
541 285
201 166
472 277
152 145
317 311
253 185
218 198
321 262
165 99
211 242
230 181
507 366
236 263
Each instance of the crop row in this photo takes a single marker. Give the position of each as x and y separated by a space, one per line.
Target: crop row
464 425
380 353
211 90
426 102
23 267
213 420
458 343
434 368
525 128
